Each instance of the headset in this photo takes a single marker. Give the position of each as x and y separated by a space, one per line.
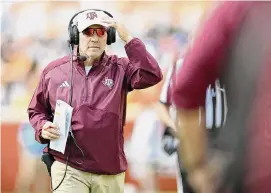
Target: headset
74 33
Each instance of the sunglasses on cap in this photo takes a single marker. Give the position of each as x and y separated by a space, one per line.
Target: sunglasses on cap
90 31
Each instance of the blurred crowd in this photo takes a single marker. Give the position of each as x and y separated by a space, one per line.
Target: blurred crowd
35 33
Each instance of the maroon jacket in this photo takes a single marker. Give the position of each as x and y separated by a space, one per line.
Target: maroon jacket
99 105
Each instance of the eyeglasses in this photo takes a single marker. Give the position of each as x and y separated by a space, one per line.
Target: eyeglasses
90 31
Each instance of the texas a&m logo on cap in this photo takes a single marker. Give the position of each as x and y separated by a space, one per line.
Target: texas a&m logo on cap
91 15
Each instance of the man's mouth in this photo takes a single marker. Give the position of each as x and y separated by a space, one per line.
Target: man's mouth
95 47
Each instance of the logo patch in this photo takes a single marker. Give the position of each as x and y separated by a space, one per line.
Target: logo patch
64 84
91 15
108 82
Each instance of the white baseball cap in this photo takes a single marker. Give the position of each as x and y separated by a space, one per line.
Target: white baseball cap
89 17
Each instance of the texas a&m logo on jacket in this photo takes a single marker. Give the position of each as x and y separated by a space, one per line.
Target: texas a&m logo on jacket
108 82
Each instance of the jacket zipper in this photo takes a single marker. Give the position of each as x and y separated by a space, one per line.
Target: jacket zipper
86 85
87 78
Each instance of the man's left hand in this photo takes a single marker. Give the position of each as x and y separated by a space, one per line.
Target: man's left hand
122 31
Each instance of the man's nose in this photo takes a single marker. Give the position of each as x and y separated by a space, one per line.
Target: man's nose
94 37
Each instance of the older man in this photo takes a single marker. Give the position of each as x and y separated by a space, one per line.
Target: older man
100 85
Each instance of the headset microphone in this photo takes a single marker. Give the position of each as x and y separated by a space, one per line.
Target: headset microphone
82 58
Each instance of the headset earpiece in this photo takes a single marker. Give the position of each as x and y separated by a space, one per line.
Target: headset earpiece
74 35
111 35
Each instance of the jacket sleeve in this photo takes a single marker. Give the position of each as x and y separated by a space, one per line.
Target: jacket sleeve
39 110
142 69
